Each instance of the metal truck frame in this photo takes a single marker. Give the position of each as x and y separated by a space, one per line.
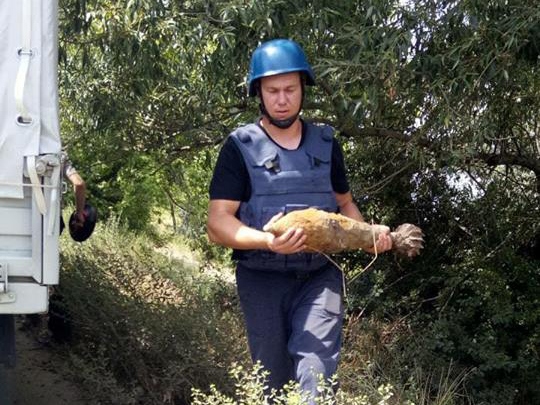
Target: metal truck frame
30 164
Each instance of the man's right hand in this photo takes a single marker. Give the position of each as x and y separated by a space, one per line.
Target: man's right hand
80 219
292 241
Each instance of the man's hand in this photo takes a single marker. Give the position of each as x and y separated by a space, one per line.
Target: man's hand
383 243
292 241
80 219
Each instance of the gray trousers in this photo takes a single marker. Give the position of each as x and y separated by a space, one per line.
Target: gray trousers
293 322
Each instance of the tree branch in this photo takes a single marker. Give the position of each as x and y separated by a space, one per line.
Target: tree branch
376 133
511 160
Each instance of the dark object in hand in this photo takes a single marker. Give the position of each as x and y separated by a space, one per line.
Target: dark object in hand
82 231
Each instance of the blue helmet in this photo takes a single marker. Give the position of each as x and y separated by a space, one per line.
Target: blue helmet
276 57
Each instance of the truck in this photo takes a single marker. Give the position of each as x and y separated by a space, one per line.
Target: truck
30 167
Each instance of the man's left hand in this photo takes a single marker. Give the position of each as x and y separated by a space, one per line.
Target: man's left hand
384 242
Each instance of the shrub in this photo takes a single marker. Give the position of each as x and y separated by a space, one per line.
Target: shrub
158 326
250 389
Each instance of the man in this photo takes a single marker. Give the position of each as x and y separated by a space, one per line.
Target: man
292 301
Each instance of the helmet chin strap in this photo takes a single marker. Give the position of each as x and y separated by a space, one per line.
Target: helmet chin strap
282 124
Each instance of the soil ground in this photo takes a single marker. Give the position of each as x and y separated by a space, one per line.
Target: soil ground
40 376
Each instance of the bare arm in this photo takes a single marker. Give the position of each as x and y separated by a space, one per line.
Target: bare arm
348 208
79 189
225 229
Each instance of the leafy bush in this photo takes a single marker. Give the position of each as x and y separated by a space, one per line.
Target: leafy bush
157 326
250 389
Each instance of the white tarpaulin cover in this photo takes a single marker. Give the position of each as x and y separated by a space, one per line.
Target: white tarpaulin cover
28 87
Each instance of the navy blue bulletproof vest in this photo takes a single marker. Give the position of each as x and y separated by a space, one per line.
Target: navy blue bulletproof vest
284 180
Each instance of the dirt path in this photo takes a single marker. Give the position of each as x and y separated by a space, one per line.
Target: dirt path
39 375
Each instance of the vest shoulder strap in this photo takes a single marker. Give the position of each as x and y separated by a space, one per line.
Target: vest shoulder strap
326 132
318 141
254 144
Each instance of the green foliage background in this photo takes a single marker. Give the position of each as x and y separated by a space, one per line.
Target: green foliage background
435 102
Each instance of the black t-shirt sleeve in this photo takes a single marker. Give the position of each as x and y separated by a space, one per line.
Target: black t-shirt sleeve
338 172
230 180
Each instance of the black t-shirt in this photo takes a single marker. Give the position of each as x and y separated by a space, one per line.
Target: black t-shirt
231 180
